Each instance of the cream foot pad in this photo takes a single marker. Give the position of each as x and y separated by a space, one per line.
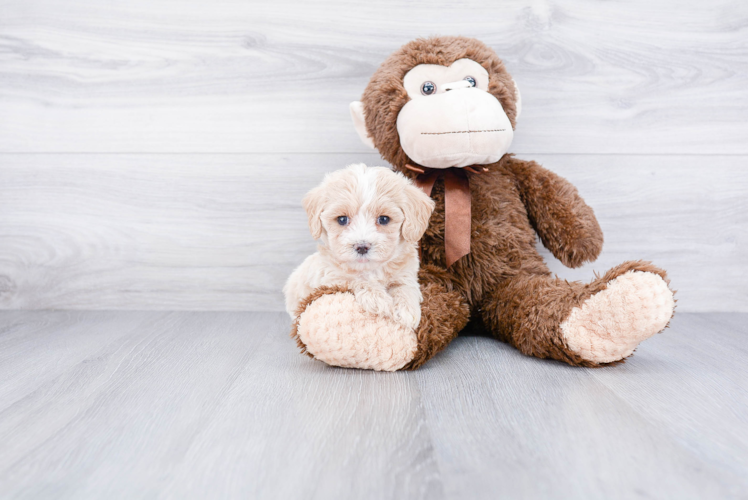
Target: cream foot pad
611 323
336 330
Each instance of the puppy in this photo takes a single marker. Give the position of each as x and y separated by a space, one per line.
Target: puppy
368 221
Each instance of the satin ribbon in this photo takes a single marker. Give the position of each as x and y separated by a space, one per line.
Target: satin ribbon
457 213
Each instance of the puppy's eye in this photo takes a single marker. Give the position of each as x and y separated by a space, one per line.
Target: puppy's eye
470 80
343 220
383 220
428 88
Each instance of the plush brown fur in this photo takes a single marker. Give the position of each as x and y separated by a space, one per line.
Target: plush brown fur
503 282
504 279
443 314
385 95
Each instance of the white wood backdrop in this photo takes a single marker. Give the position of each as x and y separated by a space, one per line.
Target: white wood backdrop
153 153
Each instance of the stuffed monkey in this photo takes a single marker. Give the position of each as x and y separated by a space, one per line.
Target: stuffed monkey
442 111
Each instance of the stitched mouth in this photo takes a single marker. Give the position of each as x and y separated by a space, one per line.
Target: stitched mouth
464 132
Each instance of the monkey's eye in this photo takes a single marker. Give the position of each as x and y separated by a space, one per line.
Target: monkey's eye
470 80
428 88
343 220
383 220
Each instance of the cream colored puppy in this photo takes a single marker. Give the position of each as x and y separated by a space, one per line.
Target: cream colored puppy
368 221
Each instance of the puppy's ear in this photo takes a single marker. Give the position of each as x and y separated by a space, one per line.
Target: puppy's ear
417 209
313 204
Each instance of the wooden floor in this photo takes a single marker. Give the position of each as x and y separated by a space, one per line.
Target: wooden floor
222 405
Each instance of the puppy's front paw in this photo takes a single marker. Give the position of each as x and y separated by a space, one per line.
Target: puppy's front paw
376 302
408 315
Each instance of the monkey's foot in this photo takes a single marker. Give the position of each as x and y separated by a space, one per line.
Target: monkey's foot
333 328
609 325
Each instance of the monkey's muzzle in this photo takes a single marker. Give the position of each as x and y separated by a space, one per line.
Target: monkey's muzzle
465 126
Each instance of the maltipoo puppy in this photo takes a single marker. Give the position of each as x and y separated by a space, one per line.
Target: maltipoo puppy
369 221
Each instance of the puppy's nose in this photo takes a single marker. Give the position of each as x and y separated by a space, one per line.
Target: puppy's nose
361 248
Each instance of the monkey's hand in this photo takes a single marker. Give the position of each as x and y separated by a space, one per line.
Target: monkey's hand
565 223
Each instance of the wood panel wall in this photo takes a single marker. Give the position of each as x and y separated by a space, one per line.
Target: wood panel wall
153 153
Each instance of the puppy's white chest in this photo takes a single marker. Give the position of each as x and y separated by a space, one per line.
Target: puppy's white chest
375 277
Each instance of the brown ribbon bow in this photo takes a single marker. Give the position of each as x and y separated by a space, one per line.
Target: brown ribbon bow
456 205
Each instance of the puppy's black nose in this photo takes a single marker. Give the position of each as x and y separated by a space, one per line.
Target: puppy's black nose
362 248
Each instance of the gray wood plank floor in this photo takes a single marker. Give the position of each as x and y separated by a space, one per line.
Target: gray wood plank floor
221 405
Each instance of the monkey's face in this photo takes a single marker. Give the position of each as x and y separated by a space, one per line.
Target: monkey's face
439 102
451 120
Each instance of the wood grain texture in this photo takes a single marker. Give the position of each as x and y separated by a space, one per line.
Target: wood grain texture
276 77
223 232
547 430
222 405
197 405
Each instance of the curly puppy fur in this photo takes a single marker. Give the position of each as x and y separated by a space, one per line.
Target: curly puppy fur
368 221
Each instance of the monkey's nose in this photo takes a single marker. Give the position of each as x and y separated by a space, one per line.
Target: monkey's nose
460 84
361 248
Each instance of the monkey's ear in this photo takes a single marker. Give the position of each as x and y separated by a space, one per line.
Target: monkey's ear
359 122
519 99
313 204
417 210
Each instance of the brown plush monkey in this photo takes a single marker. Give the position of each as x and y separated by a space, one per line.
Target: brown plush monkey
442 111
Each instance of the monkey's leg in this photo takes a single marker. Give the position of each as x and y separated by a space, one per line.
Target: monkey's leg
333 328
444 313
582 324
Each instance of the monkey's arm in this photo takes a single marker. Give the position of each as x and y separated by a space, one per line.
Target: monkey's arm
565 223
